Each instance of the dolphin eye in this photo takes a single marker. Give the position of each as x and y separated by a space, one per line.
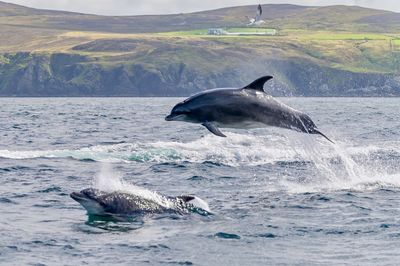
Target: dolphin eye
182 111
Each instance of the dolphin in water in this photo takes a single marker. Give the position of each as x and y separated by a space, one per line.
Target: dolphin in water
117 204
243 108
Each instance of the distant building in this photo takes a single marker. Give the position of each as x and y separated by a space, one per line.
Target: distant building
271 32
245 32
217 31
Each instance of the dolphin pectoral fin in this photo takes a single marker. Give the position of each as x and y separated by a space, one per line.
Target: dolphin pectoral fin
258 84
213 129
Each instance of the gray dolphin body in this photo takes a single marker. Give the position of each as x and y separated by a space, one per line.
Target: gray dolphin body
102 203
247 107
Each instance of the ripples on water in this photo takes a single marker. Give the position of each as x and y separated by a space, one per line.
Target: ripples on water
276 196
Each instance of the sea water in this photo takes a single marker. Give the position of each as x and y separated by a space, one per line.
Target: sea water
275 196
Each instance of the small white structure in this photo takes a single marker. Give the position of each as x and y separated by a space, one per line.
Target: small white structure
217 31
256 31
271 32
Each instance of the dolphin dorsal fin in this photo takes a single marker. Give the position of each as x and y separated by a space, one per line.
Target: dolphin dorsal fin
186 198
258 84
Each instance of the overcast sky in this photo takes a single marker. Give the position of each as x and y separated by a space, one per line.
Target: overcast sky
140 7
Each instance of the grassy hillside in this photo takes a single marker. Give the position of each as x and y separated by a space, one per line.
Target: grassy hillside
279 16
333 50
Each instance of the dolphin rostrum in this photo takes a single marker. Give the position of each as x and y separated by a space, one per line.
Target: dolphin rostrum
244 108
117 203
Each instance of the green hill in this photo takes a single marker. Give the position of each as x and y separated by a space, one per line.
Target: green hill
331 51
278 15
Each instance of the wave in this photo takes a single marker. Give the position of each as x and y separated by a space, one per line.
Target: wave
235 150
337 166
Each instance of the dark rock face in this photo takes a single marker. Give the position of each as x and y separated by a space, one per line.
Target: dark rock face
26 74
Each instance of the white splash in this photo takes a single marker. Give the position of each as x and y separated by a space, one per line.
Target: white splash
199 203
235 150
337 166
109 180
329 158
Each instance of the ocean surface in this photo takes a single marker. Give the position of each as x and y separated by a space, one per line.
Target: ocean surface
277 197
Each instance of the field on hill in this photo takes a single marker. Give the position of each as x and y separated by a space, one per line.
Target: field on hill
204 32
360 52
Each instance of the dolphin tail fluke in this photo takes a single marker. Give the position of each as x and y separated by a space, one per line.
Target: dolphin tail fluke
320 133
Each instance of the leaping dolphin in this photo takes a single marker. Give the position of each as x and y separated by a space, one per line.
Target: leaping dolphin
114 204
244 108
